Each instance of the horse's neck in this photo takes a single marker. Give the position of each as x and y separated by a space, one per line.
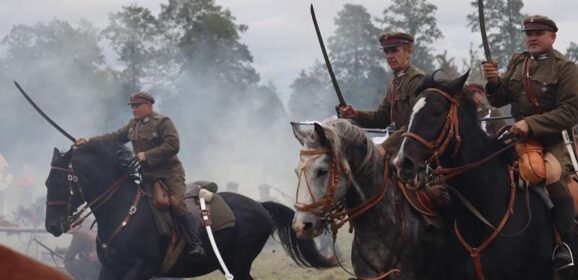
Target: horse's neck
368 183
486 187
111 212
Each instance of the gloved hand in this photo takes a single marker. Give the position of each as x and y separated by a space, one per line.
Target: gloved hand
490 71
80 141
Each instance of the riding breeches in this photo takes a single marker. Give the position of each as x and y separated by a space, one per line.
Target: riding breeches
560 189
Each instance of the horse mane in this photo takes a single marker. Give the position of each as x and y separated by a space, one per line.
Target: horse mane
342 134
111 153
444 85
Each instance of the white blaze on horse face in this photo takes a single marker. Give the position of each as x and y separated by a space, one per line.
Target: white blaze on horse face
419 105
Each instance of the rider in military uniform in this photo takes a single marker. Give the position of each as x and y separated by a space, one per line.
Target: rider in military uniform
542 87
397 104
155 142
491 127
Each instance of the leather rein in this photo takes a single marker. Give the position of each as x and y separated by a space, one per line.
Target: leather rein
76 218
449 132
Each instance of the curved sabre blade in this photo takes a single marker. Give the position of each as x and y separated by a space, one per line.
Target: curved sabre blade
43 114
326 58
482 22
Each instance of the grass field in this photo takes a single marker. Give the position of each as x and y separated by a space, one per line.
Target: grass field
273 263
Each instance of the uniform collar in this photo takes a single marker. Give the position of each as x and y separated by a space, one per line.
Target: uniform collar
542 57
401 72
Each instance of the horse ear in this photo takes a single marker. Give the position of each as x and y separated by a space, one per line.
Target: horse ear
55 154
458 84
298 132
323 141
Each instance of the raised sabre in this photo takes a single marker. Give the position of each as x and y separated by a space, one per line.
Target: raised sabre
48 119
327 62
482 22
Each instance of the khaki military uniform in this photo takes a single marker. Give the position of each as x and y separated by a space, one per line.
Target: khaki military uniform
396 106
157 137
490 127
554 82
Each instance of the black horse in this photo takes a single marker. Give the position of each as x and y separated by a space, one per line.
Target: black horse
91 172
523 248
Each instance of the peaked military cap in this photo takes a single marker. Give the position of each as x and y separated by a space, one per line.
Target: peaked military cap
474 88
538 22
393 39
141 97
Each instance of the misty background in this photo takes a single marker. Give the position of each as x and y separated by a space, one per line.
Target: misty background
231 91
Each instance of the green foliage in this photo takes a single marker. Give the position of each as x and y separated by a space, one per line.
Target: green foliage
503 26
134 33
473 63
202 37
415 17
311 95
572 52
357 61
357 57
447 65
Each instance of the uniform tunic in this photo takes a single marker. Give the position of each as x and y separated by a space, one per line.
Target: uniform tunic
396 106
554 83
157 137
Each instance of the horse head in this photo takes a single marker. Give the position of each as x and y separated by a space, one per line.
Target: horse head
80 175
61 199
433 130
330 151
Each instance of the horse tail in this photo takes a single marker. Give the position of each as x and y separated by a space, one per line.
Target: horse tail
302 251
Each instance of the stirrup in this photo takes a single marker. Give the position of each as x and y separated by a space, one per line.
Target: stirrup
559 246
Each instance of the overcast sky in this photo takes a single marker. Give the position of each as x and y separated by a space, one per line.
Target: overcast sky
281 36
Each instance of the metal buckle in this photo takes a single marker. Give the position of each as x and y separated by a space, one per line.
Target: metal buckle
132 210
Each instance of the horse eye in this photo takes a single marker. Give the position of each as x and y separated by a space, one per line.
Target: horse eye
322 172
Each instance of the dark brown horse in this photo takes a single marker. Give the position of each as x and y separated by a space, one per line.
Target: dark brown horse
498 233
89 172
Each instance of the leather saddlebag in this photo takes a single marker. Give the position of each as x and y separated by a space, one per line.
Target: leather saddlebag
161 197
531 161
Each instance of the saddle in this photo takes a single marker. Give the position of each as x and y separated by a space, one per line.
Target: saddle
220 214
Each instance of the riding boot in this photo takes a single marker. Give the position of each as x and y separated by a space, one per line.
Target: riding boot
190 231
563 217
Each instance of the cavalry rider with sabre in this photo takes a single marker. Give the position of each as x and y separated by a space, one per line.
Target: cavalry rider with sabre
542 87
155 142
397 104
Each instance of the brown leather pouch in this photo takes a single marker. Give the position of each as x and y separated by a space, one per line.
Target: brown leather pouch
531 161
161 197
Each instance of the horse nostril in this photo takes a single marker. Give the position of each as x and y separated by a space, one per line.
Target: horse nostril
307 226
406 164
406 169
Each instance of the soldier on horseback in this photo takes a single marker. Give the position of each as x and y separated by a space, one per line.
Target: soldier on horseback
398 101
485 111
155 142
542 88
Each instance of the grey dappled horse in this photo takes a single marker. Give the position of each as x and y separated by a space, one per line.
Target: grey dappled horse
339 166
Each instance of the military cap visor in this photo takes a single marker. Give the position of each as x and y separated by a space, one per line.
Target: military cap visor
394 39
141 97
539 23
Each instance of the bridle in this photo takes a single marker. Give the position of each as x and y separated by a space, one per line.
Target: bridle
331 211
76 218
334 212
451 131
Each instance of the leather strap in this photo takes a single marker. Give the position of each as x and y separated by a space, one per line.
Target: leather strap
528 87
